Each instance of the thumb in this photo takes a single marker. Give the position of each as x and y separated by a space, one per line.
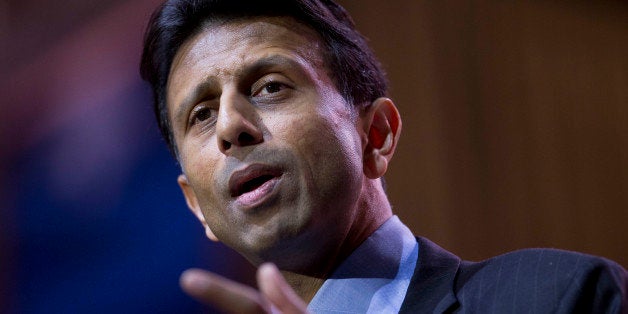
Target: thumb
275 288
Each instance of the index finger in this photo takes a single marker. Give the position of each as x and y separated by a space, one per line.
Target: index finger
222 293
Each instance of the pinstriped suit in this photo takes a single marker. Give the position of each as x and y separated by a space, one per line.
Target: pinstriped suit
526 281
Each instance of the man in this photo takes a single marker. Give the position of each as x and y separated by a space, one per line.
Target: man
277 113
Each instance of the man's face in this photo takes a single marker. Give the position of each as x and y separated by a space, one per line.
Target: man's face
271 151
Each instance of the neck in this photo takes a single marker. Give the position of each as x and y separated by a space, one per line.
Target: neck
374 210
305 286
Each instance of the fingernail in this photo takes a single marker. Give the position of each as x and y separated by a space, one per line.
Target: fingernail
194 280
269 268
272 271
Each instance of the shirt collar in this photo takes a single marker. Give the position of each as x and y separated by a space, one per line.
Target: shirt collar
375 277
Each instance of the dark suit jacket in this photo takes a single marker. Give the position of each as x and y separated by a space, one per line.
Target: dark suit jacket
526 281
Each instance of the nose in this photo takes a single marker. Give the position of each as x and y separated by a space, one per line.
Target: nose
237 124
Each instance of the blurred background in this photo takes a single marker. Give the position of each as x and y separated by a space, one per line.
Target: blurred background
515 135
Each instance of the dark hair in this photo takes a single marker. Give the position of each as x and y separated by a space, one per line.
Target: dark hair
355 71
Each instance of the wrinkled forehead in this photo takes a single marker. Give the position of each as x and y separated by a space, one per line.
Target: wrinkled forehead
223 52
217 36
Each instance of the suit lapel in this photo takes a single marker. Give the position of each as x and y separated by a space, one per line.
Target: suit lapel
432 286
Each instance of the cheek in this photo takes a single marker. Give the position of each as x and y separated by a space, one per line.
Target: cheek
200 168
330 153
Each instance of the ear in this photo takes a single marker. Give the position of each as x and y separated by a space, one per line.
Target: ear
192 201
382 126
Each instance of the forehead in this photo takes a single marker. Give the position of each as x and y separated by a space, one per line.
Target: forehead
221 48
226 44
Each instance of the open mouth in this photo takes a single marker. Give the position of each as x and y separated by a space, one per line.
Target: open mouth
252 184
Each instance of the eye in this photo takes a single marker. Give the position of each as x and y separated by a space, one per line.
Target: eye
202 113
272 87
269 86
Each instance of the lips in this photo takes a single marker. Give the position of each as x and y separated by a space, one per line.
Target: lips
253 184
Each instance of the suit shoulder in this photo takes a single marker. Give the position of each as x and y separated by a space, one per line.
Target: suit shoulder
552 259
546 279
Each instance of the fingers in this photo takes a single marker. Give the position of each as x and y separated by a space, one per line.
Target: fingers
278 291
233 297
222 293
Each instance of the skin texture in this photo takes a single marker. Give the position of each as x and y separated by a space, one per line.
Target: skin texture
253 98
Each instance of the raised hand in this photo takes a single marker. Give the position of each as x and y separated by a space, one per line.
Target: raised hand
274 296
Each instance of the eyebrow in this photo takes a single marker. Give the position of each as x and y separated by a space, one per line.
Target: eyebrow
259 66
266 63
196 94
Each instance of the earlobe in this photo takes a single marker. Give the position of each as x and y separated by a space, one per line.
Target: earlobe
192 202
383 127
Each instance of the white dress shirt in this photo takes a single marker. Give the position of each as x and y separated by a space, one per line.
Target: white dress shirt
375 277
